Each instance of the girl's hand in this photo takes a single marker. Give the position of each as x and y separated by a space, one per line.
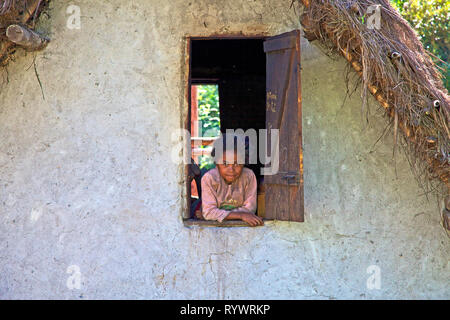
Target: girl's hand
252 219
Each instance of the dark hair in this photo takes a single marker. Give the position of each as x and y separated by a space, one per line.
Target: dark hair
231 142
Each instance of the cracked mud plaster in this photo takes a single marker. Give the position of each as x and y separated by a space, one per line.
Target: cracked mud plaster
86 176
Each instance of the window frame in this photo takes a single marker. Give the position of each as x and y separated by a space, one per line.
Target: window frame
188 82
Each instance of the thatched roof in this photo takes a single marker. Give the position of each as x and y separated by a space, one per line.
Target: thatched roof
17 12
396 69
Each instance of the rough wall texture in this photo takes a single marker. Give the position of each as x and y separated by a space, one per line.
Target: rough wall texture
86 178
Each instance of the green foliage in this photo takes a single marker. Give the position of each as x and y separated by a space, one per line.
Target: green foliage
206 162
208 110
430 18
209 117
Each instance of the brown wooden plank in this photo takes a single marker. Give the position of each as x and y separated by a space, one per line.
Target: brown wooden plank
296 196
279 44
285 178
277 71
187 123
284 190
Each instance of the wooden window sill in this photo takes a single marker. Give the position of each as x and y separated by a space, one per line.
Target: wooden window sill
212 223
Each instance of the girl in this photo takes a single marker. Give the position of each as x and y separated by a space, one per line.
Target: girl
229 190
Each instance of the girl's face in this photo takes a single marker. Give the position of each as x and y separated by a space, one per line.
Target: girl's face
230 171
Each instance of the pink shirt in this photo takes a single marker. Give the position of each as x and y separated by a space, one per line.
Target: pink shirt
220 198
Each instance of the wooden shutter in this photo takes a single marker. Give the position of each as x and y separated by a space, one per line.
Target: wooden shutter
284 190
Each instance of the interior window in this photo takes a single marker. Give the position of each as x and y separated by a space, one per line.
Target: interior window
228 89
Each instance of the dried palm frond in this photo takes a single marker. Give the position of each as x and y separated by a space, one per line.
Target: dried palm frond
395 68
6 6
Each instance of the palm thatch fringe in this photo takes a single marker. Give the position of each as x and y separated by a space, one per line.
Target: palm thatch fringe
6 6
396 69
